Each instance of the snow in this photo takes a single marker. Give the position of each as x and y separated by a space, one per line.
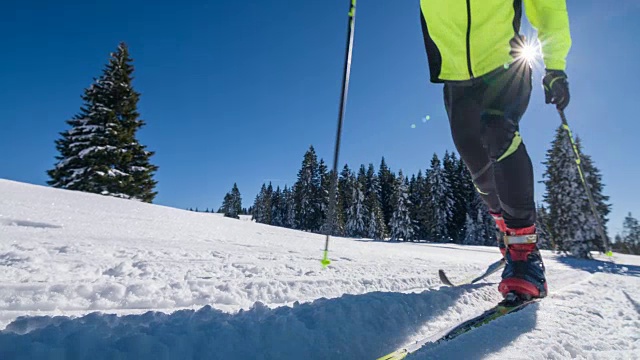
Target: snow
93 149
84 275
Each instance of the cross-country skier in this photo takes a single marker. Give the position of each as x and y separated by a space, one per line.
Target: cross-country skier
473 47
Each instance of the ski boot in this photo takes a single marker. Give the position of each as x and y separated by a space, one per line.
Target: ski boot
501 229
523 273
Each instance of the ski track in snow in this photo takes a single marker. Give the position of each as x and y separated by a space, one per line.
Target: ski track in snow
80 272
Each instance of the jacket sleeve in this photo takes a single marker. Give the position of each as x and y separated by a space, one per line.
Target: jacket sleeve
551 20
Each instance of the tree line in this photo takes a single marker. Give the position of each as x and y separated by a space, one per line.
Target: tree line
439 205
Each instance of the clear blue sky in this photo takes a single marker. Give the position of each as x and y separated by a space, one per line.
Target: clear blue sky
236 91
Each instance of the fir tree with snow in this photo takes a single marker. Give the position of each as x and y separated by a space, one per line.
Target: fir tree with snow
232 203
307 193
355 220
277 208
401 225
345 194
593 177
262 206
545 241
440 202
376 229
471 231
631 234
386 180
323 195
419 208
570 221
289 208
456 191
100 152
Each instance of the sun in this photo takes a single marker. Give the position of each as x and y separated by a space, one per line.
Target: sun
529 52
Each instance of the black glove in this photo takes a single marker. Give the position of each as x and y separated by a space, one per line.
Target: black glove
556 89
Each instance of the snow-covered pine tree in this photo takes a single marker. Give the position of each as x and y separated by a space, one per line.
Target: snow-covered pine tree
289 208
262 205
344 194
401 225
323 193
268 204
631 234
545 241
470 231
376 228
570 220
277 208
419 206
100 152
603 208
387 190
440 202
456 189
307 190
355 221
232 203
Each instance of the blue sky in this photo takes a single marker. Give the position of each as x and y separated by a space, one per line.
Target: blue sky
236 91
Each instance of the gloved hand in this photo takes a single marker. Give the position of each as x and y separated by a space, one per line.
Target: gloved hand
556 88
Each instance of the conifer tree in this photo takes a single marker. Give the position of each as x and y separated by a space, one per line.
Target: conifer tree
471 232
456 192
542 227
376 229
387 190
232 203
603 208
401 224
570 220
289 208
631 234
324 190
277 208
262 206
419 208
307 193
440 202
355 221
344 193
100 152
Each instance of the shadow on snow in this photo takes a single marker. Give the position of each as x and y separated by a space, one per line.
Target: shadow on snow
486 340
350 327
599 266
635 304
439 245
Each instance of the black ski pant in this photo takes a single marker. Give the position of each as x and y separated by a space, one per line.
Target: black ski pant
484 114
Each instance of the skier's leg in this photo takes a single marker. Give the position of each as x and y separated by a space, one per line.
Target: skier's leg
506 98
463 104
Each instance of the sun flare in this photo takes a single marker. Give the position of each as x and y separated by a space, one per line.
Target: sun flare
529 52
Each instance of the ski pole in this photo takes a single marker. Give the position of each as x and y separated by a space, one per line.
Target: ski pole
343 101
592 204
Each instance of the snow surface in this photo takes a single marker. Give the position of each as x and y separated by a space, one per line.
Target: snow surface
89 276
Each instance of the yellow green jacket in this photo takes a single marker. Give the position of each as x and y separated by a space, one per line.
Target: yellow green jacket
466 39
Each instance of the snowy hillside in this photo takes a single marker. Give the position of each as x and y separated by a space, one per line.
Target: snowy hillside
72 265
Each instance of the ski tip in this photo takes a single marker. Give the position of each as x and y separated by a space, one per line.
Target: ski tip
443 277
